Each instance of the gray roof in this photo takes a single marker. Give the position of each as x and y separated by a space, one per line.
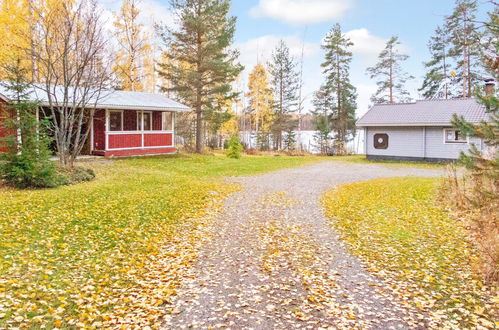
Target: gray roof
423 113
110 99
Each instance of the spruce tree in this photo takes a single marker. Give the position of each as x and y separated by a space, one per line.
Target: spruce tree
285 83
390 75
26 164
337 73
465 45
200 62
438 67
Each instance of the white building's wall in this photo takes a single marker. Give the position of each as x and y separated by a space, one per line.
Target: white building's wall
436 148
402 141
419 142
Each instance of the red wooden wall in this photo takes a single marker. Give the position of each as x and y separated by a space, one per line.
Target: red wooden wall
4 132
99 129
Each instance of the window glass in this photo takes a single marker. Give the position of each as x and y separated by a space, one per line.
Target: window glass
454 136
146 119
115 121
167 121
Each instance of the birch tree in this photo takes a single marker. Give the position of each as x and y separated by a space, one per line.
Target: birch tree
73 70
134 56
391 78
260 104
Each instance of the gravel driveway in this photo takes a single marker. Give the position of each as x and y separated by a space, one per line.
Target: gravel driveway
275 262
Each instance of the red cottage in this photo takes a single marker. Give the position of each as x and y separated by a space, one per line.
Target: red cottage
127 124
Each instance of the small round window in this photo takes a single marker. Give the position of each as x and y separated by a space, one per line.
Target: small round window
380 141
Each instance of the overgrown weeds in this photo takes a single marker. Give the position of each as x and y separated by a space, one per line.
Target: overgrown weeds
474 199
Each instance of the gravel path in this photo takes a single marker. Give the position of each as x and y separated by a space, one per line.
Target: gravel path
276 263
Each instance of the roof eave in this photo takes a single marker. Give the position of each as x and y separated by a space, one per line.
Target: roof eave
402 124
124 107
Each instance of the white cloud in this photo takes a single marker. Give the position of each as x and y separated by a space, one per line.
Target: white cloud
365 43
364 93
302 11
260 49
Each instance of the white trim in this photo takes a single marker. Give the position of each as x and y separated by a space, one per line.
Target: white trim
140 148
106 136
141 113
108 126
135 132
414 124
467 141
424 141
92 133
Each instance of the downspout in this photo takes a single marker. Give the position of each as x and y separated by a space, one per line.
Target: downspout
424 142
365 140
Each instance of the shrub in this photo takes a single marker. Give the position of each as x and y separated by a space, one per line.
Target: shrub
75 174
26 164
235 148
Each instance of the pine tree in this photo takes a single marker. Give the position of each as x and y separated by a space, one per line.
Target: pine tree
465 39
260 104
391 77
201 65
337 73
133 59
438 67
285 84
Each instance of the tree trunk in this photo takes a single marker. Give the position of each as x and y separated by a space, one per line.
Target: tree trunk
199 130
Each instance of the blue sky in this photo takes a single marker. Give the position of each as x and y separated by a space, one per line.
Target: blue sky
303 23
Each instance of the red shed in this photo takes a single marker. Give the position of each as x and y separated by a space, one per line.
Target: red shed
129 123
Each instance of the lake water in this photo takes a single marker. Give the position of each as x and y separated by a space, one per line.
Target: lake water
307 142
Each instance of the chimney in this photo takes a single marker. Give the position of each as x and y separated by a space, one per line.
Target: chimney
489 87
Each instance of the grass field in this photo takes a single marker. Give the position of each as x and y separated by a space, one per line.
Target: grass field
397 228
112 251
361 159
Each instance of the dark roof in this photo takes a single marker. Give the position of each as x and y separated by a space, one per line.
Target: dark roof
423 113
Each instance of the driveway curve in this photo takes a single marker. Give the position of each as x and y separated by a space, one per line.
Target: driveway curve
275 262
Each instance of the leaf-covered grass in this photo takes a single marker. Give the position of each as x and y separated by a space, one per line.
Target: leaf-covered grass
111 251
361 159
396 227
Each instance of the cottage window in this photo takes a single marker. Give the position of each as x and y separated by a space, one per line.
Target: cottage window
381 141
115 120
167 121
144 120
453 136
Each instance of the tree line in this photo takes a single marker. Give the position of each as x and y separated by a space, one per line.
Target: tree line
64 47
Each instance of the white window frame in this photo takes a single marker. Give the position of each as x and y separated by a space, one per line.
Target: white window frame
140 123
163 114
108 123
445 130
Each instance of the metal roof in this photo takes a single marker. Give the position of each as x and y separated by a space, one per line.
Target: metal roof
423 113
111 99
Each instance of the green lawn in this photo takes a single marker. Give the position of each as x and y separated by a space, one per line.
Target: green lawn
113 250
397 228
361 159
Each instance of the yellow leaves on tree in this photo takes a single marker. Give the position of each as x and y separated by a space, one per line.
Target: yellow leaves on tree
260 99
14 31
135 57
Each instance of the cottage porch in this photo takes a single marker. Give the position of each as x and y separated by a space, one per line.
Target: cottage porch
132 132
